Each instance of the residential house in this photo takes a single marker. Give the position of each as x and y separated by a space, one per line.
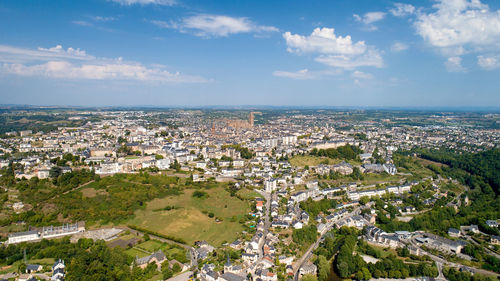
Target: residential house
157 257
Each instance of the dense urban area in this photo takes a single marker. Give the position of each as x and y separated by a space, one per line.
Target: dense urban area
262 194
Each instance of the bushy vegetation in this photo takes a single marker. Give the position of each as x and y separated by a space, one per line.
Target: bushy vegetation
200 194
123 195
346 152
244 152
348 263
452 274
305 236
482 167
313 208
484 203
85 260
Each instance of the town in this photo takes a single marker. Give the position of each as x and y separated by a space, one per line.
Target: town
233 195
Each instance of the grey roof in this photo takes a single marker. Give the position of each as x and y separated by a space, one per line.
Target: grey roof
232 277
32 266
160 256
17 234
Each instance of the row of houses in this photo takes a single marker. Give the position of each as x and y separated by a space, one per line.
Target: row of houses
356 195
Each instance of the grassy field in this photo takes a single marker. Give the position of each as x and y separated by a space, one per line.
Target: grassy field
90 192
374 178
369 179
303 160
148 247
136 253
189 222
249 194
15 266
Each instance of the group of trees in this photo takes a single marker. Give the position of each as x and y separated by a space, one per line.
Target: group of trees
452 274
346 263
482 167
200 194
244 151
313 208
117 198
346 152
349 264
305 236
474 170
85 260
38 191
392 267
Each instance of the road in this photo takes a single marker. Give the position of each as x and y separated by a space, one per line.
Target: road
267 222
440 262
307 255
182 277
485 248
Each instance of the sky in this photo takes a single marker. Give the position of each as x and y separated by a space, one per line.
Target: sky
235 52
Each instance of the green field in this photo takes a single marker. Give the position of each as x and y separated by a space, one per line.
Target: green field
249 194
14 267
309 160
148 247
136 253
306 160
188 221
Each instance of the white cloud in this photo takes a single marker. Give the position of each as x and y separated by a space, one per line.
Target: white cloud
398 47
454 64
402 9
370 58
323 40
489 62
459 27
215 25
146 2
102 19
459 23
361 75
332 50
82 23
20 55
303 74
70 63
369 18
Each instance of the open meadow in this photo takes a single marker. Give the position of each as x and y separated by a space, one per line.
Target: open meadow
190 219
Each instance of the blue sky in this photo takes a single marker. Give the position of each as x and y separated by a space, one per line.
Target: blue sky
192 53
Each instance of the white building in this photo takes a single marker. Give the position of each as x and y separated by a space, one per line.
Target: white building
19 237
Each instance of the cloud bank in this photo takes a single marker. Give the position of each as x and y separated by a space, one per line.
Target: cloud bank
70 63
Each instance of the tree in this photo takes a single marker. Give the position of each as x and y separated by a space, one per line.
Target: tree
167 272
323 268
176 166
55 172
366 273
176 268
343 269
22 268
364 200
309 277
